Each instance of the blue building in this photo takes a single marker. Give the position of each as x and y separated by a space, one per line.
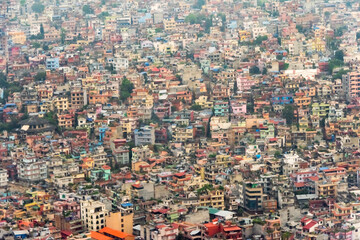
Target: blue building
52 63
282 100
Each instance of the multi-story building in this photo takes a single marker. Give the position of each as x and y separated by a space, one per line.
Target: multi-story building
52 63
122 220
253 196
93 214
351 85
78 98
61 103
66 120
3 178
145 135
32 169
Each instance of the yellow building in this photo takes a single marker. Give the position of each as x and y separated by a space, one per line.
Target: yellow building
318 45
171 24
183 134
61 104
18 37
203 102
327 189
244 36
122 220
213 199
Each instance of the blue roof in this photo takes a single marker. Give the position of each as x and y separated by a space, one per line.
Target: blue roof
323 168
126 204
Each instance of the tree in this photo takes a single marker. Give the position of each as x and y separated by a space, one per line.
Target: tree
42 32
63 35
103 15
300 28
339 55
199 4
126 89
196 107
22 2
334 63
254 70
288 114
40 76
36 45
87 10
38 7
45 47
264 71
235 87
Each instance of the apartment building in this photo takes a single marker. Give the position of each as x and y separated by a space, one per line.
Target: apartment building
93 214
351 85
122 220
3 178
32 169
145 135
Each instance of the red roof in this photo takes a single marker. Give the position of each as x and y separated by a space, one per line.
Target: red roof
99 236
299 184
106 167
234 228
114 232
179 174
310 225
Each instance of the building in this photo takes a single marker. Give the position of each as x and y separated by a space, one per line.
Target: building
145 135
351 85
93 214
3 178
110 234
32 169
122 220
52 63
253 196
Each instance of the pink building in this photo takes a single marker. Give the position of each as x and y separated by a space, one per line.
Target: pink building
72 208
244 83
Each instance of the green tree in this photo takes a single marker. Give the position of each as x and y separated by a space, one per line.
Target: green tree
300 28
254 70
103 15
196 107
22 2
288 114
62 36
40 76
199 3
126 89
38 7
87 10
339 55
42 32
36 45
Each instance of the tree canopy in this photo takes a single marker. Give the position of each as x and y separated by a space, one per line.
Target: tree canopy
87 10
38 7
126 89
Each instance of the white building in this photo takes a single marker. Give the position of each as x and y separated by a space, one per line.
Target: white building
32 169
3 178
93 214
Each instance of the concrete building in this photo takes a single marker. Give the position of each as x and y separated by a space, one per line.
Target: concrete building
351 85
93 215
3 178
32 169
145 135
52 63
122 220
